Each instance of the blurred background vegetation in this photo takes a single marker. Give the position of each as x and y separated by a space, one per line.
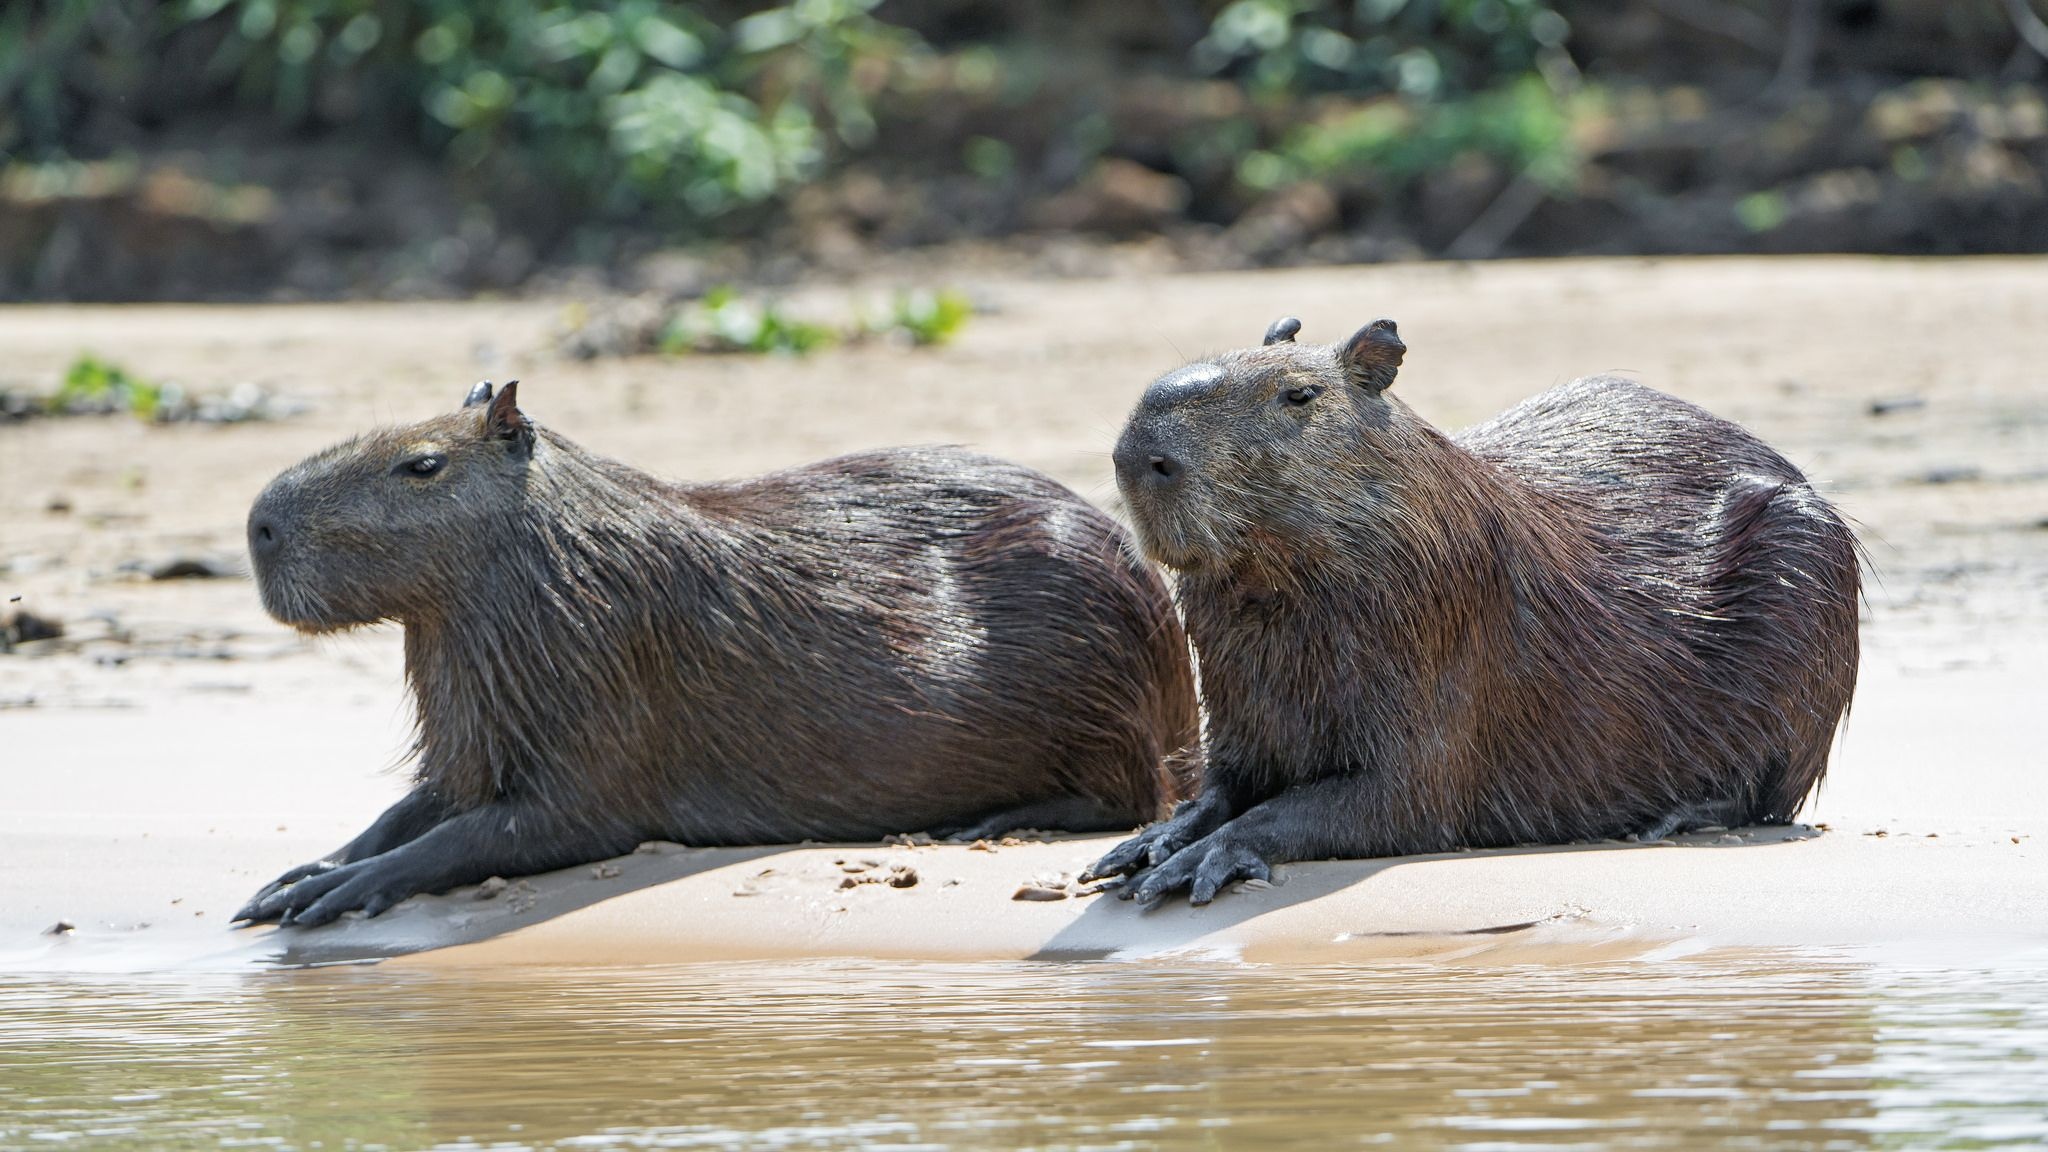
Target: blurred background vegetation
211 149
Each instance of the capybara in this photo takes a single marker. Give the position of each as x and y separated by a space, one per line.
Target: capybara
918 639
1602 613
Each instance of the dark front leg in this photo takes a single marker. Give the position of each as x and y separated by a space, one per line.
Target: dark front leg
403 822
1190 822
505 838
1338 816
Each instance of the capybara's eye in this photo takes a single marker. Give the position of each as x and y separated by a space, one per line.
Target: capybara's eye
1303 394
425 465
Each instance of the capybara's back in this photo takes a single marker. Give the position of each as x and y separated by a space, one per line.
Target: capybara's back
934 626
1724 588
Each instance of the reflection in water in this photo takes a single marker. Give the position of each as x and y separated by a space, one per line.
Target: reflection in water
1750 1053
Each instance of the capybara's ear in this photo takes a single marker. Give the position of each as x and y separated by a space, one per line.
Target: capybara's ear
1373 355
1282 331
503 419
481 394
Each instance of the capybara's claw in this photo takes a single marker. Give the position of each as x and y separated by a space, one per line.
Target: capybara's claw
1223 864
1123 859
287 904
1203 869
365 891
253 910
1155 845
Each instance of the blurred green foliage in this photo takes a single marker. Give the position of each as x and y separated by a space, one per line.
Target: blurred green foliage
1524 125
92 386
637 103
926 317
1458 77
95 385
642 103
724 321
1421 49
687 110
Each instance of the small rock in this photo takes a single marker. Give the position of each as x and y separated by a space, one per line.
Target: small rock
192 568
850 882
605 871
26 628
1729 840
58 505
1879 832
1038 892
489 889
66 927
651 848
981 846
1890 404
902 876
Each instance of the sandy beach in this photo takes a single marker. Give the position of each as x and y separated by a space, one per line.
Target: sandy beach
175 748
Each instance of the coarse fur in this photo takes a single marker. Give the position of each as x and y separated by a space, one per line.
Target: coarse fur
1603 612
918 639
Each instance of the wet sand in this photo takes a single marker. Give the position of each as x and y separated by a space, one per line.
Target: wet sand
176 748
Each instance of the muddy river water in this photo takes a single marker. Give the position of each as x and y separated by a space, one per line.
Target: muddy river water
1763 1050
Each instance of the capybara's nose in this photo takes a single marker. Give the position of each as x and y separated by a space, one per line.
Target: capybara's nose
1142 463
263 537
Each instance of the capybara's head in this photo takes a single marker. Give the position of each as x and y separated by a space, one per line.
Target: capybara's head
388 525
1262 448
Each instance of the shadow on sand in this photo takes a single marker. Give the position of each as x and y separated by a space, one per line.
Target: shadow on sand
1112 927
467 915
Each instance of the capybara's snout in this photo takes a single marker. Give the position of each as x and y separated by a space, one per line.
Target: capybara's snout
1146 462
269 524
1153 456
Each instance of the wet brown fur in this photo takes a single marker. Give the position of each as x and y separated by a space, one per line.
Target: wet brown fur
1603 612
918 639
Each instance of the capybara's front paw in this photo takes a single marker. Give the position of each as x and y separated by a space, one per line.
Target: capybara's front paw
1131 855
369 886
292 876
1155 845
1202 868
